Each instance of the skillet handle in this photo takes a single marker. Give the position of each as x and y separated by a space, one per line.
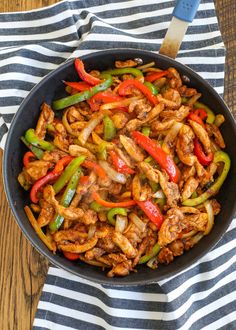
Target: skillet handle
185 10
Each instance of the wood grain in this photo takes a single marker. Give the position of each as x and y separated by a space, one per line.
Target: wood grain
22 269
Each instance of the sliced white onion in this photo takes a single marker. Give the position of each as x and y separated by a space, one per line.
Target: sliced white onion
152 263
91 231
210 214
121 223
170 137
137 221
111 173
90 126
159 194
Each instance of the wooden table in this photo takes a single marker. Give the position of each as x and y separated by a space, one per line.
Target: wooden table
22 269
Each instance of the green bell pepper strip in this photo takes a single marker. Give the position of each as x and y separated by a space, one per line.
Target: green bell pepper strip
153 185
102 151
109 129
68 173
184 99
97 207
155 250
220 156
66 200
152 87
113 212
33 139
116 72
146 130
210 114
38 152
82 96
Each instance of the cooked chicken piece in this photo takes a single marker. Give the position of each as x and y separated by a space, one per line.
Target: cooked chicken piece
120 119
170 189
168 103
184 145
175 79
209 174
171 227
141 108
78 125
136 187
195 222
89 217
134 234
77 247
149 171
176 247
106 243
124 244
73 115
154 113
173 96
37 169
125 64
132 149
69 235
187 92
141 250
158 126
190 186
213 130
53 156
94 253
186 172
115 188
121 269
165 256
82 189
71 213
60 140
75 150
46 117
201 172
215 206
201 133
133 124
189 209
177 115
46 214
193 99
104 182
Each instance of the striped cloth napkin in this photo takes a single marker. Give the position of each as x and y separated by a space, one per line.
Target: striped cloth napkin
34 43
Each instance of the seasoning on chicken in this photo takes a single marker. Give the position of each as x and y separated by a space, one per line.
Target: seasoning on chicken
124 174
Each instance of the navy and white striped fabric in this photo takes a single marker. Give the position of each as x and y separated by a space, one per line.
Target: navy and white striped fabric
34 43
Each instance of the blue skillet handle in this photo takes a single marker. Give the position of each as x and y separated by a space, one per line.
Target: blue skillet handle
185 10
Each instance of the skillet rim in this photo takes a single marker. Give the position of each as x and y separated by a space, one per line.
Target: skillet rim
118 281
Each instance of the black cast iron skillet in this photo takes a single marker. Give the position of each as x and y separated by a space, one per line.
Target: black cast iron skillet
50 88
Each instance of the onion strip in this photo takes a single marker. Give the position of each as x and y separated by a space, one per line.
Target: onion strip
137 221
170 137
210 215
111 173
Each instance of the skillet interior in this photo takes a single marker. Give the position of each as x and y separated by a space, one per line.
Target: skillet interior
51 88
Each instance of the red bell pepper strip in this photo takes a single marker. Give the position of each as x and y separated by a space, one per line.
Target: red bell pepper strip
27 158
155 150
200 113
71 256
51 176
196 118
198 151
125 86
101 98
96 167
84 179
119 164
152 211
86 77
79 86
157 75
102 202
